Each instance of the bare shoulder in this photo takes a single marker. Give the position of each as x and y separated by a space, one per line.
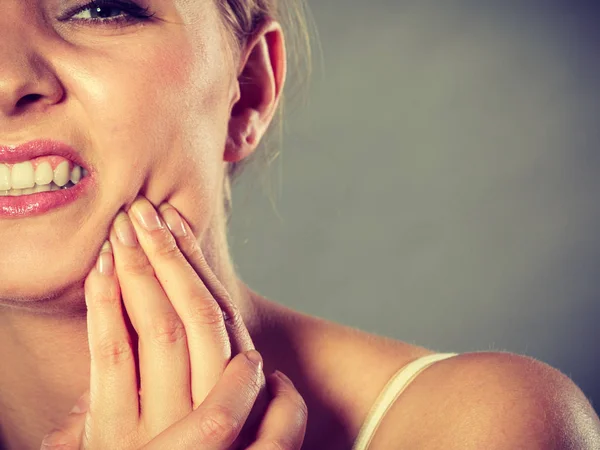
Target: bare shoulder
472 401
492 400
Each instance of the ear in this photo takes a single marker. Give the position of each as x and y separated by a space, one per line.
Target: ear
257 91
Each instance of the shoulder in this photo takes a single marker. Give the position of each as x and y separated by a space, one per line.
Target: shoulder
491 400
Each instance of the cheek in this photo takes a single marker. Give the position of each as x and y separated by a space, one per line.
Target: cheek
157 112
197 106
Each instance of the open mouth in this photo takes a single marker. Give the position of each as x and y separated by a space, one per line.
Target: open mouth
43 174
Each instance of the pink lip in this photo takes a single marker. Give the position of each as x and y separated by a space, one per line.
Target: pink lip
40 147
42 202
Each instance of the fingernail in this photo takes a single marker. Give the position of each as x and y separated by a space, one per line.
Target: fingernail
81 406
146 214
124 230
173 220
254 357
282 376
105 264
53 440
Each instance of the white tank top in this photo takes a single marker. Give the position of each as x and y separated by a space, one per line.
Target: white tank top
390 393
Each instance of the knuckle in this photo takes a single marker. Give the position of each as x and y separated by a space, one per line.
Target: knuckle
219 425
233 318
138 265
256 385
114 351
108 297
165 246
248 380
205 312
167 328
192 248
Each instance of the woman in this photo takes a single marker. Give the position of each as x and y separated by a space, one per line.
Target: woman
122 122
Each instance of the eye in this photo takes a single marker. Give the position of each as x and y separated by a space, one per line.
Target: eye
108 12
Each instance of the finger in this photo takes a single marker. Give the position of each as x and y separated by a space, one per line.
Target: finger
216 424
165 391
208 342
69 435
186 241
113 380
284 423
238 333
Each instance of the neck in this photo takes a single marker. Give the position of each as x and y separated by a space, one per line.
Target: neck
46 348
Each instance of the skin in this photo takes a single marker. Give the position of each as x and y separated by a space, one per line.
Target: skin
157 111
178 156
187 383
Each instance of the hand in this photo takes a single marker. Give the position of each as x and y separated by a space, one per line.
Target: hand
182 389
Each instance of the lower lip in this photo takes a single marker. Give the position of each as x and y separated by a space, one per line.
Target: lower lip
42 202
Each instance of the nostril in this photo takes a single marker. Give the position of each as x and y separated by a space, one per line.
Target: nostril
29 98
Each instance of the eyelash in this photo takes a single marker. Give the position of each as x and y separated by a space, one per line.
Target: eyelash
131 12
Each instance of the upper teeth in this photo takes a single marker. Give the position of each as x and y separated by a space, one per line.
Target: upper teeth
22 175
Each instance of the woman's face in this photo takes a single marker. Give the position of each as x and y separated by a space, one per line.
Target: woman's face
145 103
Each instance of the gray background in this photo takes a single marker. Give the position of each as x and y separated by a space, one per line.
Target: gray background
439 185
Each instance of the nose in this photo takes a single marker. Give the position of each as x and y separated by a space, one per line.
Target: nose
27 81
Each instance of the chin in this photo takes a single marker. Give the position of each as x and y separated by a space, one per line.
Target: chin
46 281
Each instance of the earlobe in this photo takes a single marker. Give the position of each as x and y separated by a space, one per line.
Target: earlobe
242 138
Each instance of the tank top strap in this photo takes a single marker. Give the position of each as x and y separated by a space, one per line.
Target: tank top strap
390 393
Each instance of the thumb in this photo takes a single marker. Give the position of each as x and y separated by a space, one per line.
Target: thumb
68 436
